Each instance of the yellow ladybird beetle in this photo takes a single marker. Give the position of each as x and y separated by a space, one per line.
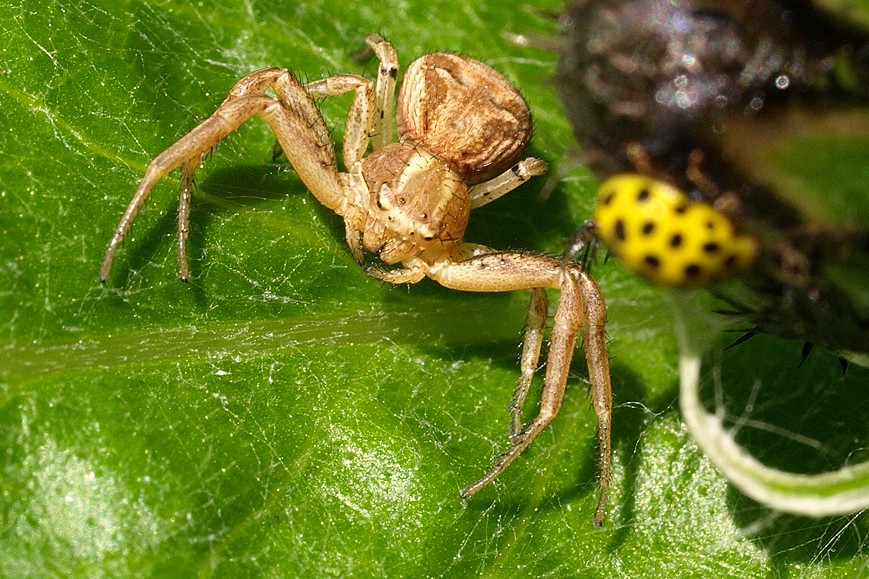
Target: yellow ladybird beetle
657 231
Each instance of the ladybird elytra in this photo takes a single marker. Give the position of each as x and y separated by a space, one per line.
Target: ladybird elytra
657 231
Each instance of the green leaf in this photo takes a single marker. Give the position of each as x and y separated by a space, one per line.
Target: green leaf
283 414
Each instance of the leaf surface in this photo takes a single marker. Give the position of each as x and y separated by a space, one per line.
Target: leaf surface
283 414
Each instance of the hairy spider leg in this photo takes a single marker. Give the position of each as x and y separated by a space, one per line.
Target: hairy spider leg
581 309
293 116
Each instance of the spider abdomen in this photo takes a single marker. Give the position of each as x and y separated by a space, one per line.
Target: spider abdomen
465 113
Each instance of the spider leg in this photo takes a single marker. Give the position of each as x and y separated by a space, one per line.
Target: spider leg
293 117
532 343
568 319
488 191
597 360
580 308
381 129
189 149
357 127
409 275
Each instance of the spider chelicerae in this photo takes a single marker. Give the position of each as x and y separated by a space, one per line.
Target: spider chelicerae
462 130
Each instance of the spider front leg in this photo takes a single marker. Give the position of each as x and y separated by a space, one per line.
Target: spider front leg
581 309
301 131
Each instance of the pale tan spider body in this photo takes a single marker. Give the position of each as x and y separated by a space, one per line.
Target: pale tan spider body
462 130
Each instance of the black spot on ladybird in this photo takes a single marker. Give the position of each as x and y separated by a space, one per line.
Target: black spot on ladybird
693 271
652 261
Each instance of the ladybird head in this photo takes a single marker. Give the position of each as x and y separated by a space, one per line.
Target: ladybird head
657 231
